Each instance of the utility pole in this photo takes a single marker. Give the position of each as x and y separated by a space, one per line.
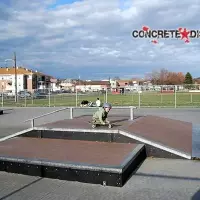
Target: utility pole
15 66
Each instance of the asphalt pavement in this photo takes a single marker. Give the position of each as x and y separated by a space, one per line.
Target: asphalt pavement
156 179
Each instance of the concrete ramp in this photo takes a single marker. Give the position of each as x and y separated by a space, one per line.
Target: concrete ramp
161 135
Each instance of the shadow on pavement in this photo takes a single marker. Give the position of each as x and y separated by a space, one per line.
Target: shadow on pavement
14 192
168 177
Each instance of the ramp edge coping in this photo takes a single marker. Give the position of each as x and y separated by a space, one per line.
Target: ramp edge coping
44 163
15 134
132 156
77 130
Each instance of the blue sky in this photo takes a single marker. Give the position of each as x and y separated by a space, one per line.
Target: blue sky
68 38
61 2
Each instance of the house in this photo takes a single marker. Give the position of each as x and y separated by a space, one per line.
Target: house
54 85
26 79
197 80
114 85
123 85
92 86
67 84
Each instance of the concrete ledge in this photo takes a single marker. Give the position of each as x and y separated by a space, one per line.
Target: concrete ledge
132 156
80 166
106 168
77 130
96 174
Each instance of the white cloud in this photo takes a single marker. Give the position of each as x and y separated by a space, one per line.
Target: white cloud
97 34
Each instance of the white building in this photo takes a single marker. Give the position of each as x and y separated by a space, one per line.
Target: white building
53 85
93 86
67 86
8 82
26 79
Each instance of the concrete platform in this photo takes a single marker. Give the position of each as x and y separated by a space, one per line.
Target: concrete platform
84 161
160 135
71 150
83 122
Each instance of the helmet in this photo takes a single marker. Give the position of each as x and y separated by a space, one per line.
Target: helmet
107 105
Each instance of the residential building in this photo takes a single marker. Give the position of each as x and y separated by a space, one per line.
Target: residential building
92 86
54 86
122 85
197 82
114 85
67 84
26 79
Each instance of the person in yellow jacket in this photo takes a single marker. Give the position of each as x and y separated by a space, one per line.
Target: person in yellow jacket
101 115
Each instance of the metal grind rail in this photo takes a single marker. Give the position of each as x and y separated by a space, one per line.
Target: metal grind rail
72 110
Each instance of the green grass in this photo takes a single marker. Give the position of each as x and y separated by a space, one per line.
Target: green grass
146 100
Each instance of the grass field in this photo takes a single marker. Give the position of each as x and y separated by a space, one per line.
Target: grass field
143 100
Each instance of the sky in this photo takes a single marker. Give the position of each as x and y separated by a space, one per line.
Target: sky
93 39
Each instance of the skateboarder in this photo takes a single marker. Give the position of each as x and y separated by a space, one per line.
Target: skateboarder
100 116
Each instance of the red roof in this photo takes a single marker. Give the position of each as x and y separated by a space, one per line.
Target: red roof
123 82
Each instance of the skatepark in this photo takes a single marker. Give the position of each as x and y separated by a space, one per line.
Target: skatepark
59 146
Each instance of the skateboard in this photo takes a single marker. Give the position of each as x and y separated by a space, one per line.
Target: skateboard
96 125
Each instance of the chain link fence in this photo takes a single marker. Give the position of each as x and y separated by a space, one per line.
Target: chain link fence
173 96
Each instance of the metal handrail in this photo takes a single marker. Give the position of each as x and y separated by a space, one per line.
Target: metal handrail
71 112
49 113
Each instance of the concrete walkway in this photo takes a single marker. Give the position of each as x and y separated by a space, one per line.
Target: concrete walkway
156 179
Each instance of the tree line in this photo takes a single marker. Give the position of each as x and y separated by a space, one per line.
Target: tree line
165 77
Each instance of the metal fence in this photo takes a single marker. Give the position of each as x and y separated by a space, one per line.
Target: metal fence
140 97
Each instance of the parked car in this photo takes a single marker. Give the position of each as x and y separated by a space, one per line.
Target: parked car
23 94
10 94
3 94
39 95
56 92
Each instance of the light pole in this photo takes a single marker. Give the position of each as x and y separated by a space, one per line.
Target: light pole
15 66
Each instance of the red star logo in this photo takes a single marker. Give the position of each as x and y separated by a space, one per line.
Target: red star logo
184 34
179 29
154 41
145 28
